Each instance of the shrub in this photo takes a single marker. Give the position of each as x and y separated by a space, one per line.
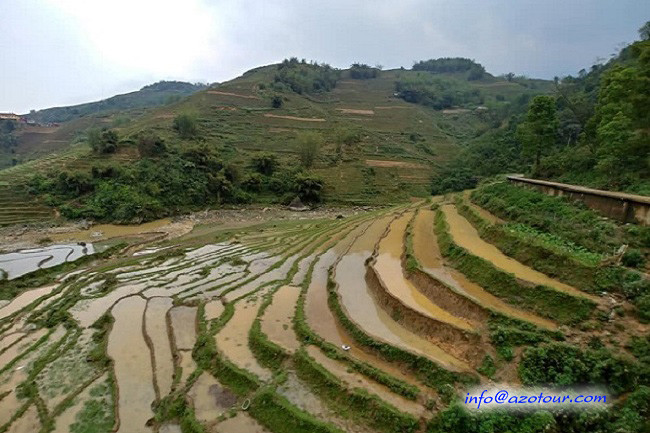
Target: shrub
633 258
309 144
150 144
186 126
360 71
309 188
103 141
264 163
277 101
302 77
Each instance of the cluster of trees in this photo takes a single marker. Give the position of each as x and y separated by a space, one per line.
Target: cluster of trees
103 140
437 92
302 77
7 138
475 71
169 179
594 130
597 129
361 71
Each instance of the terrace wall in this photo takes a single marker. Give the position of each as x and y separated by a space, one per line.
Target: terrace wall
627 208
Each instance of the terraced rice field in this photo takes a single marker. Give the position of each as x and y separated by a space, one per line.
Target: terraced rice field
358 324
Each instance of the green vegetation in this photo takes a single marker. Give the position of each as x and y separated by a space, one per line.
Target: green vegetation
302 77
160 93
437 92
537 133
592 131
357 403
185 125
153 187
309 144
278 415
542 300
557 216
563 364
104 141
360 71
474 71
560 237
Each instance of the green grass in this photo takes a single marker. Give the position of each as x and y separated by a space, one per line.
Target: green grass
542 300
354 403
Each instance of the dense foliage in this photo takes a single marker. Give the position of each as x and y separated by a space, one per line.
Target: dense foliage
558 216
360 71
475 71
560 364
594 130
167 181
302 77
437 92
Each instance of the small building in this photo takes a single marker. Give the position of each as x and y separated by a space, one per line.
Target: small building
10 116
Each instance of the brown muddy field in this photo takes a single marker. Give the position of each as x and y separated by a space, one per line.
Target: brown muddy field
170 320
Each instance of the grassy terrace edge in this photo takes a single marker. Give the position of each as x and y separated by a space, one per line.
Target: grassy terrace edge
542 300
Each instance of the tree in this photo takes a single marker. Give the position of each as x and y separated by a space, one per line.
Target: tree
265 163
309 188
538 133
644 31
150 144
276 101
103 141
309 144
185 125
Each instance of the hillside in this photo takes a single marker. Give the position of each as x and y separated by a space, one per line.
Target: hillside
374 147
160 93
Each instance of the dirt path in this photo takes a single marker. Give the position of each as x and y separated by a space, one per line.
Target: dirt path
216 92
355 111
300 119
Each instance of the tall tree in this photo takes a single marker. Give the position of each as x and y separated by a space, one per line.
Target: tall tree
539 132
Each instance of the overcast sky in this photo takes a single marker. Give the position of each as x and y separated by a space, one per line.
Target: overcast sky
62 52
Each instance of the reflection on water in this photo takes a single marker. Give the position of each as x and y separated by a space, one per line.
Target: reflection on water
23 262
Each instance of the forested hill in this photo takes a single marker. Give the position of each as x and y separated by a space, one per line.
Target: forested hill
160 93
594 130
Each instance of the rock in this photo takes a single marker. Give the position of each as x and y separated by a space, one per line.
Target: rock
297 205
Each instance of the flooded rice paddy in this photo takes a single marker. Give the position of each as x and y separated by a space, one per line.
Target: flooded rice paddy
466 236
19 263
125 331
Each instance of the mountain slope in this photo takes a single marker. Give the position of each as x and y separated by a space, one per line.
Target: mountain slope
152 95
374 147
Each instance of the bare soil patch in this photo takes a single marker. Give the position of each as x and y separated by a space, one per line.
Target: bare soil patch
301 119
393 164
216 92
355 111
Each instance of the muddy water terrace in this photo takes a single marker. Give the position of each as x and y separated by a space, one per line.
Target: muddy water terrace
253 328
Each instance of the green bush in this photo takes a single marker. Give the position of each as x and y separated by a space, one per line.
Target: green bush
186 126
302 77
562 364
633 258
